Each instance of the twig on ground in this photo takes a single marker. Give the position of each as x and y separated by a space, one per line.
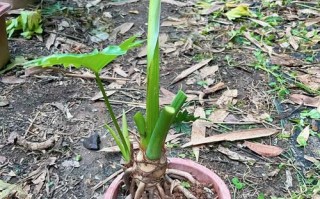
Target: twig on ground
100 184
31 123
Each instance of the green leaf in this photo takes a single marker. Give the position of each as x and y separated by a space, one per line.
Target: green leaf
237 184
185 184
238 12
313 114
124 153
182 127
125 130
93 61
185 116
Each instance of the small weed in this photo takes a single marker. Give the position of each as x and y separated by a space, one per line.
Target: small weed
237 184
185 184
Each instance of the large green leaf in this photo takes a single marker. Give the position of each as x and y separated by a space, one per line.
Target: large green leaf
94 61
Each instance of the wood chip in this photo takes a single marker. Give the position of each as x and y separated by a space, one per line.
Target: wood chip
190 70
264 47
198 130
234 136
120 3
263 150
305 100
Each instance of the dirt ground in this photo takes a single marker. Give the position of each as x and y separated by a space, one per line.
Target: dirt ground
47 103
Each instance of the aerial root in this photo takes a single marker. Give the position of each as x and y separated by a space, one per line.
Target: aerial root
161 192
151 193
126 176
140 190
183 174
185 191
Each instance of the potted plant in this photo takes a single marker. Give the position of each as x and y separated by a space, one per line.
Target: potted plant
4 49
146 170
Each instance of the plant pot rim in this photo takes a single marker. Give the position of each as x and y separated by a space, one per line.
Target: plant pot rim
4 7
201 173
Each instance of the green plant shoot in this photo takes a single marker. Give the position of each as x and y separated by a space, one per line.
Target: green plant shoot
96 61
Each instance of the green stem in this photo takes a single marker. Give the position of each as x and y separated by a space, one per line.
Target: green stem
158 137
108 105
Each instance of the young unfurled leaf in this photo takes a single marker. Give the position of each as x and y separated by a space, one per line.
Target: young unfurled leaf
29 22
94 61
238 12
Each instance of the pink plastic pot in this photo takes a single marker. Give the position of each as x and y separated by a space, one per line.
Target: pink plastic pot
4 49
201 173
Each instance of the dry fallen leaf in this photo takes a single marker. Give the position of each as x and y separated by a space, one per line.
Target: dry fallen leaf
312 21
227 98
120 72
177 3
291 39
286 60
303 136
311 81
12 80
218 115
190 70
50 41
263 150
215 6
198 130
236 156
214 88
234 136
167 96
208 71
305 100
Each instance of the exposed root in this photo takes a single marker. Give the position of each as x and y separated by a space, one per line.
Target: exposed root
140 190
151 193
161 192
185 191
126 176
183 174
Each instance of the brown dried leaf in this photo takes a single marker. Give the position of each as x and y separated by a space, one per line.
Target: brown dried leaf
120 72
291 39
310 80
12 80
208 71
198 130
263 150
214 88
306 100
190 70
50 41
177 3
167 96
125 27
310 22
227 98
286 60
143 52
235 156
234 136
216 6
218 115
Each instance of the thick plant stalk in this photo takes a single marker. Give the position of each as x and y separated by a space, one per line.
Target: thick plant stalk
157 140
153 69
